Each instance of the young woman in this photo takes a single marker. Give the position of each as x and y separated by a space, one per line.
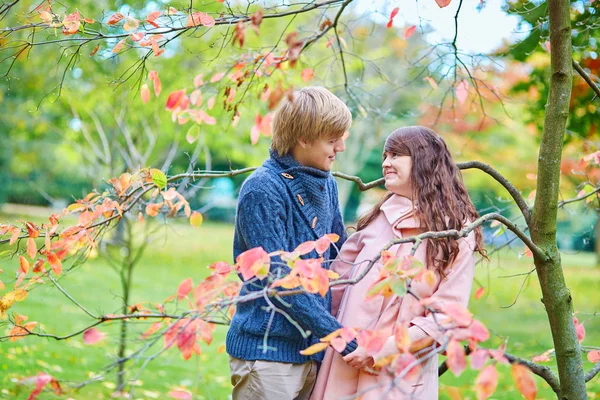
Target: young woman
425 193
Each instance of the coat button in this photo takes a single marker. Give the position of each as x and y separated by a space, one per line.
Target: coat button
286 175
300 199
314 223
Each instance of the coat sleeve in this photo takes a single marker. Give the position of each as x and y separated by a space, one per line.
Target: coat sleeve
261 225
456 287
343 266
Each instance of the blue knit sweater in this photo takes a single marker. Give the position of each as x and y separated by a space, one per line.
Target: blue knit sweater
281 205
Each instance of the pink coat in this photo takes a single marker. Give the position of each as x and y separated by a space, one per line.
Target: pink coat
336 379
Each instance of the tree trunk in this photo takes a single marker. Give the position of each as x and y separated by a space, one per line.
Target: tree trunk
556 296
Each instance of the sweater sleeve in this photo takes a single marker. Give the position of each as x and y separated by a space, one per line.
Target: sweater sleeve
456 287
262 225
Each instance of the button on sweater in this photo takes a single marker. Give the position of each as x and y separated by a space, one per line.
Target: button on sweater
281 205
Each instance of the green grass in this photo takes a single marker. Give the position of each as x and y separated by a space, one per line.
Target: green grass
181 251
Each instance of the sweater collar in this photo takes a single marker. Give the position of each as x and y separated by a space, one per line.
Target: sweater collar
289 164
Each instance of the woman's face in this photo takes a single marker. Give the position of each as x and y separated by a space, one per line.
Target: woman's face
396 171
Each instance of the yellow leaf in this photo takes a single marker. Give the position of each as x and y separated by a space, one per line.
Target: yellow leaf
314 349
196 219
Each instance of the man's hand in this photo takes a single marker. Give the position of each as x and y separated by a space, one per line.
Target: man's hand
359 359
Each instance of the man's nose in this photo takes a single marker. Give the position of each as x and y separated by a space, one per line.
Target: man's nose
341 145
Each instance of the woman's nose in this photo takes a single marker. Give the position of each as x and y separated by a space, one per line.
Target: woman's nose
386 162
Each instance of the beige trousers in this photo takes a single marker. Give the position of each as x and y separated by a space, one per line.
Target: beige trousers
266 380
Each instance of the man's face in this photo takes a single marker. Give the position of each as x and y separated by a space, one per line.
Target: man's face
319 154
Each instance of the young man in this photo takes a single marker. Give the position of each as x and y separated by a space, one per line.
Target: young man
290 199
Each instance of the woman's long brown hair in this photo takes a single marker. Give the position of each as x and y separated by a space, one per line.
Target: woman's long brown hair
438 189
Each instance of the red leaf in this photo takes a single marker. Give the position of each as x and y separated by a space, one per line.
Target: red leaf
443 3
253 262
145 93
116 17
486 382
457 360
462 91
92 336
174 99
394 12
594 356
580 329
409 31
322 244
184 288
524 381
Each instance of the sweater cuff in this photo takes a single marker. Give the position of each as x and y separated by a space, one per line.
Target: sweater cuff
350 347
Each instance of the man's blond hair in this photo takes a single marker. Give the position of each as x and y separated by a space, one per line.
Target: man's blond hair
313 113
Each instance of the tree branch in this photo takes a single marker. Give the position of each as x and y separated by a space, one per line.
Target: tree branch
586 78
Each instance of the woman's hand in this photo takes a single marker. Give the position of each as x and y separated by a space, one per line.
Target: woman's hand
359 359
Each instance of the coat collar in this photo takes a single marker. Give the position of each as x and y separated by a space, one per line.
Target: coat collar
400 213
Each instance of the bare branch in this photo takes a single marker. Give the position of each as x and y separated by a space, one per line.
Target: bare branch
586 78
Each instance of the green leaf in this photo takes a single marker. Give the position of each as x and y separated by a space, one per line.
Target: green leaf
158 178
398 287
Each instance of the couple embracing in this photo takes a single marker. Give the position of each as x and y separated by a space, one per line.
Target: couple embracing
292 198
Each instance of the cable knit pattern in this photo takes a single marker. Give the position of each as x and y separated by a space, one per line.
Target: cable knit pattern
281 205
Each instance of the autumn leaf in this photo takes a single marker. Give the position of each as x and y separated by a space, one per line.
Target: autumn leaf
462 91
392 15
136 37
175 99
307 74
478 358
401 337
118 46
305 247
253 262
443 3
457 312
92 336
152 17
95 50
408 32
115 18
71 23
479 293
184 288
457 360
579 329
524 381
145 93
314 349
239 34
196 219
486 382
594 356
371 341
152 209
153 76
54 262
403 362
431 82
181 394
23 264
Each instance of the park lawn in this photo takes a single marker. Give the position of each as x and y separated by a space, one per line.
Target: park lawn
180 251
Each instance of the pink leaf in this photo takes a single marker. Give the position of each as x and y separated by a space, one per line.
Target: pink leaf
184 288
486 382
180 394
443 3
580 329
410 31
462 91
92 336
457 360
145 93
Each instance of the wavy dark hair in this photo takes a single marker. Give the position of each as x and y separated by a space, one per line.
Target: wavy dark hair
438 189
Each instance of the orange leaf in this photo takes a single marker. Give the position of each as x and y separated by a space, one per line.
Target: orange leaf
486 382
479 293
71 24
184 288
153 208
20 294
401 338
116 17
131 24
38 266
443 3
196 219
23 264
372 341
54 262
524 381
314 349
307 74
31 248
118 46
431 82
305 247
32 230
153 76
95 50
217 77
151 18
92 336
145 93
